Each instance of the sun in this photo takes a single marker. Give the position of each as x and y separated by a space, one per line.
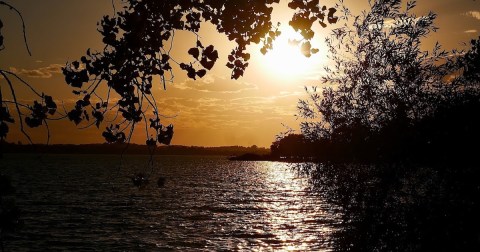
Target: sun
286 61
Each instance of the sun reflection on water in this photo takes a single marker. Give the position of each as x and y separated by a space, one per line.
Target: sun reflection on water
294 213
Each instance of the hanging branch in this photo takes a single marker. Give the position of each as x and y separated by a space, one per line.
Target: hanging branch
12 90
40 111
139 38
23 25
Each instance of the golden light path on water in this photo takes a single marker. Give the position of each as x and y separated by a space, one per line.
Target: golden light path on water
292 207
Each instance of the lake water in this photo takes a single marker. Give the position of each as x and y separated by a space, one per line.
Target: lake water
85 202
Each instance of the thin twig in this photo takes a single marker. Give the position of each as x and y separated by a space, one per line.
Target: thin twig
23 24
88 126
114 10
19 104
95 88
24 82
22 129
48 131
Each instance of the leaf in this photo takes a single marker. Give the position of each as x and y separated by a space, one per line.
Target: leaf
191 72
207 64
263 50
194 52
331 18
151 142
201 73
306 47
49 102
165 136
210 53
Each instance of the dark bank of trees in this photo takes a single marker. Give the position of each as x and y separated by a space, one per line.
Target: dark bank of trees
396 133
386 99
293 147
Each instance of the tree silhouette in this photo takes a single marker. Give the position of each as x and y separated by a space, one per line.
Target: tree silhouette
382 83
469 67
292 146
398 134
138 41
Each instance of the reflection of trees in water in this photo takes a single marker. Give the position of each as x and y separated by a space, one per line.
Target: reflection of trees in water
402 207
9 212
413 116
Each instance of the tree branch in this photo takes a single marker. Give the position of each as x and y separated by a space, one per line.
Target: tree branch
22 129
23 24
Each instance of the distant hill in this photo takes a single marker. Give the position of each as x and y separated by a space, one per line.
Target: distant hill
132 149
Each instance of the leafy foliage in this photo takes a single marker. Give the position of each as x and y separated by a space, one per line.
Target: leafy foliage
381 83
469 66
292 146
40 111
395 130
137 49
307 13
379 72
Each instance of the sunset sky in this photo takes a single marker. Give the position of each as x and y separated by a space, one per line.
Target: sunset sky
213 111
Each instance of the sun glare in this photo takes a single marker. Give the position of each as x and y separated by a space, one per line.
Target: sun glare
286 61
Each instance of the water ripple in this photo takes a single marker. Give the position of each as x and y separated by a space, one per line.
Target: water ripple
208 203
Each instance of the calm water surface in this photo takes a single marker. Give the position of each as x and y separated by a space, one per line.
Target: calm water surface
80 202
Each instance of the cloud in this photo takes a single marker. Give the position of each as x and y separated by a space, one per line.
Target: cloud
223 113
471 31
474 14
43 72
212 83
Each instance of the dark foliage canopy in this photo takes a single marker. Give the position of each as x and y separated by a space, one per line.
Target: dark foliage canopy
138 41
385 97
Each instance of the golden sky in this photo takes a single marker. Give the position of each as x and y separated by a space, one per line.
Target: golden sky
213 111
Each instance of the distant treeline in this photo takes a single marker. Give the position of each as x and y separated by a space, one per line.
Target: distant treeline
451 134
132 149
